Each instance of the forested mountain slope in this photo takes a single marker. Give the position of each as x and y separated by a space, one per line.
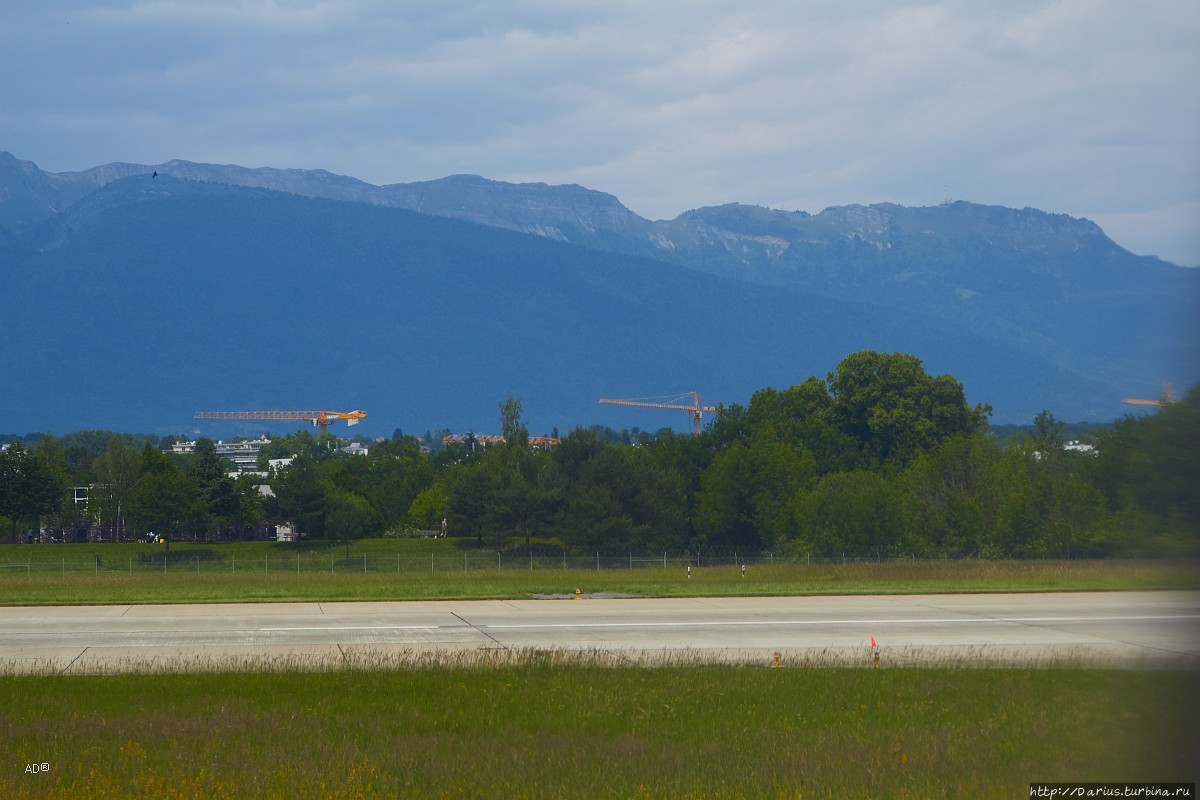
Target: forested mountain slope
152 298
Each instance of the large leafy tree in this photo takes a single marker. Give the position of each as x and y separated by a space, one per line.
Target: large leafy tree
29 488
890 404
166 501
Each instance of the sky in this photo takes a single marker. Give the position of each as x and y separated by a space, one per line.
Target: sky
1088 108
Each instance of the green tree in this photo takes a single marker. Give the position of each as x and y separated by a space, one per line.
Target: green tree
1048 432
1147 472
211 473
49 453
348 516
511 427
299 497
429 508
725 506
858 514
249 504
392 476
597 520
955 485
121 470
896 409
28 488
168 503
472 495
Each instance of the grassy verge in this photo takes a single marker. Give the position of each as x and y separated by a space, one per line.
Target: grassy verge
294 579
540 729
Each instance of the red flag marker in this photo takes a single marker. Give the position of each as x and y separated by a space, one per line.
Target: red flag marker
873 642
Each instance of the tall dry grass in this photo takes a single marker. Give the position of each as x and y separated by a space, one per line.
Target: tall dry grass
559 724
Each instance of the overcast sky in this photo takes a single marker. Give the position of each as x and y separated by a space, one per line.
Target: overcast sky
1087 108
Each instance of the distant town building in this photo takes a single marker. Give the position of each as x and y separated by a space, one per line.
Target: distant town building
243 455
286 532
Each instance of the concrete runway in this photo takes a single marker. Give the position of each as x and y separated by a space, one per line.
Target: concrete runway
1123 629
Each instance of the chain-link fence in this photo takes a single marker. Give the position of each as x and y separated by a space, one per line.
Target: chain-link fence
191 560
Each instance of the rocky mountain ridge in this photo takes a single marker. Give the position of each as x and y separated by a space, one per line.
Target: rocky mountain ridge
1066 318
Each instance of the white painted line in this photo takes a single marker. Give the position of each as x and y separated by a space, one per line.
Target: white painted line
1099 619
760 622
755 622
363 628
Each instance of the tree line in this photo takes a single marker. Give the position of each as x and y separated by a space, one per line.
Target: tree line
878 459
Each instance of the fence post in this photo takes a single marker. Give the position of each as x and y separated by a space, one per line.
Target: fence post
297 563
397 562
235 563
197 563
597 561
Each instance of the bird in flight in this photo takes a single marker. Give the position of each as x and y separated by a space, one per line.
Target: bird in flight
155 175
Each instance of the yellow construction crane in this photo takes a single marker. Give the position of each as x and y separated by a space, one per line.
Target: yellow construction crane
695 410
320 419
1168 396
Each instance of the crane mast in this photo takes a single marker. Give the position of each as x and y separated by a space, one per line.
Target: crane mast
694 409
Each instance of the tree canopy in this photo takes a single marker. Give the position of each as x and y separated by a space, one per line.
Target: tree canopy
879 458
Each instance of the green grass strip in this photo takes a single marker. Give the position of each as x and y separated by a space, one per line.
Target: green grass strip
294 579
537 729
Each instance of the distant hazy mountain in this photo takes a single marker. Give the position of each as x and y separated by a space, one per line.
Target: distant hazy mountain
134 301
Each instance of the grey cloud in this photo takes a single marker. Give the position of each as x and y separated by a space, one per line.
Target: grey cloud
1081 108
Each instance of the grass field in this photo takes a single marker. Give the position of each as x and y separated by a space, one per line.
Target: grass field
545 729
412 569
555 725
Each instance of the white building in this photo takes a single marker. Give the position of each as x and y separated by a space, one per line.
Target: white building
243 455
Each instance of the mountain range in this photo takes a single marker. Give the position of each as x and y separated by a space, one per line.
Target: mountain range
138 294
